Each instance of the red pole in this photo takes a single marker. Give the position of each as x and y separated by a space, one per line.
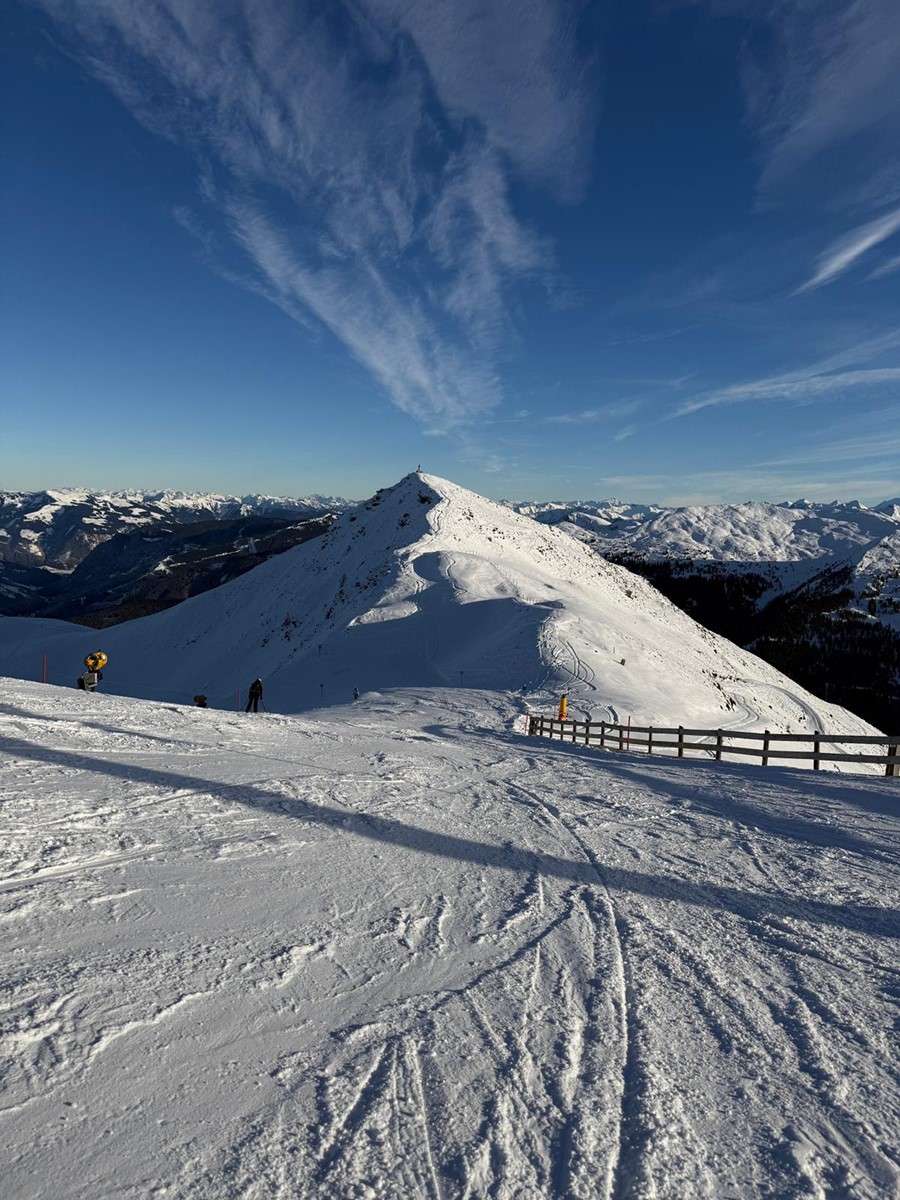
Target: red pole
628 738
44 670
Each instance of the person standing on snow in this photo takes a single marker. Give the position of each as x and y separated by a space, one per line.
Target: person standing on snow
254 695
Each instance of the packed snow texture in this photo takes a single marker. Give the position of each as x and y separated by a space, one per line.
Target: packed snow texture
430 585
397 949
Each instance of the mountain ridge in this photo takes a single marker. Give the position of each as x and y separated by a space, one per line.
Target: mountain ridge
428 584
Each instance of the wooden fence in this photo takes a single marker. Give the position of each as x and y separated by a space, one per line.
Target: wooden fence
719 741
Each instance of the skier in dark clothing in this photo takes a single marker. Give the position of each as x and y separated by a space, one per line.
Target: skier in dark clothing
254 695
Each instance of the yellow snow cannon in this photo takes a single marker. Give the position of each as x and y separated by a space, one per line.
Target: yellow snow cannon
96 661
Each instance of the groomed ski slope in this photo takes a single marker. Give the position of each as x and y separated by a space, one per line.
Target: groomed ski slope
428 585
396 949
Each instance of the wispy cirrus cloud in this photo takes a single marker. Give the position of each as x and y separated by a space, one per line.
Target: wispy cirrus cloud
820 77
858 438
837 375
356 162
793 387
843 253
591 416
887 268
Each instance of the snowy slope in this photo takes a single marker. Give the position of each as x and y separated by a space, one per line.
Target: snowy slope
397 950
431 585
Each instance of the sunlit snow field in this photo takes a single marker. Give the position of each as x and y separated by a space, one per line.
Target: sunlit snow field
398 949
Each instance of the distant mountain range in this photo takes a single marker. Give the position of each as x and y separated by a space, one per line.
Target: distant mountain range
430 585
59 528
812 587
104 557
785 545
755 531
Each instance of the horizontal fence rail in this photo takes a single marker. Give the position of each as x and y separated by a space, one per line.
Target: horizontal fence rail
718 742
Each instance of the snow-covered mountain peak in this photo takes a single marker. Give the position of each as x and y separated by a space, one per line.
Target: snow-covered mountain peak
427 584
427 532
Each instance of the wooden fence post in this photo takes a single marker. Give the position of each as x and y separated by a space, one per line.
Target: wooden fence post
891 768
587 732
816 750
650 739
574 731
765 756
681 741
718 745
602 735
621 738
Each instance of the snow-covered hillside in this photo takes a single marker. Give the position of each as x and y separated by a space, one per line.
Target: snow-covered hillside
846 554
428 585
398 950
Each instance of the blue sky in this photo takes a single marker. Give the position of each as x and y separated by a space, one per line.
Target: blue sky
543 249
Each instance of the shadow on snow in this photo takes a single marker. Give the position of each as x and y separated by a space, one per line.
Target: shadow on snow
883 922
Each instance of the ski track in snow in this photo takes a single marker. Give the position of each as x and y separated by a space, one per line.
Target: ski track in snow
399 950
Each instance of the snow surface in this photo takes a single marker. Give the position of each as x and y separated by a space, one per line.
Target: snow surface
430 585
397 949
